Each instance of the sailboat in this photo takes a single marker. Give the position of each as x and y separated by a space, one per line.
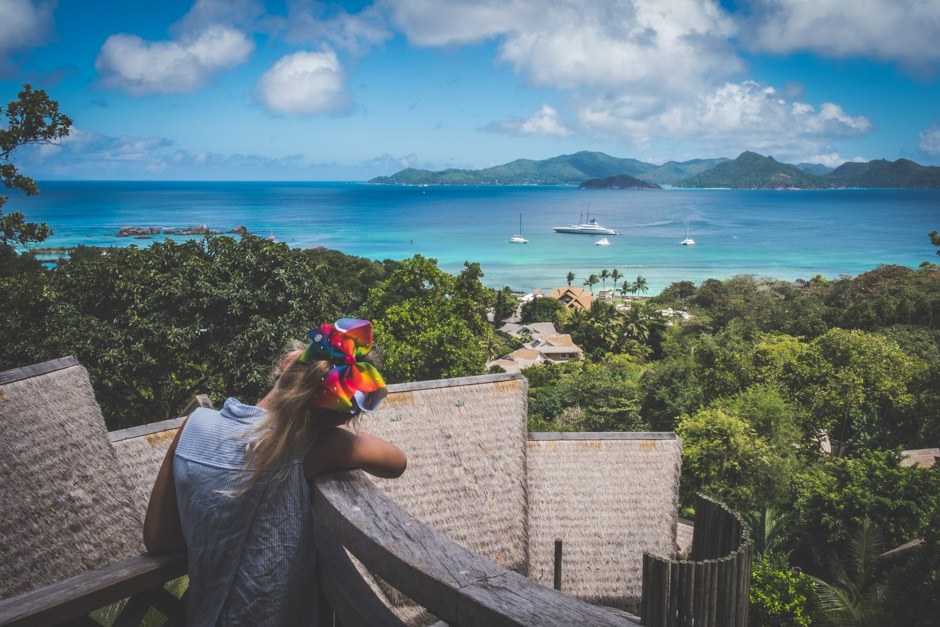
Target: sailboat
688 241
518 238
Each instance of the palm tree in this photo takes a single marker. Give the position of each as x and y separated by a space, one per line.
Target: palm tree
616 276
640 286
570 278
627 288
636 323
852 597
604 276
591 282
770 531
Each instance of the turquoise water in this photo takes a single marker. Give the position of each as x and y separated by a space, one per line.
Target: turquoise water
782 234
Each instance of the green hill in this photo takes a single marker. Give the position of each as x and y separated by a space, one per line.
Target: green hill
881 173
561 170
753 171
621 181
672 171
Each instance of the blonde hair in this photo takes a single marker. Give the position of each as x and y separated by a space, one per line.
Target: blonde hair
291 422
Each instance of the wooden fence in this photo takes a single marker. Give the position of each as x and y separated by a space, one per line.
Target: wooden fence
709 590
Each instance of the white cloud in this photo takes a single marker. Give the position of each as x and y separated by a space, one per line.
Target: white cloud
731 118
131 64
310 22
894 30
24 24
245 15
545 121
305 83
663 46
930 141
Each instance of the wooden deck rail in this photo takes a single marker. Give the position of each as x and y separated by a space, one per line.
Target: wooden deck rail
711 589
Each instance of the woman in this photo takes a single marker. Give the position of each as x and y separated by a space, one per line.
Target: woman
234 491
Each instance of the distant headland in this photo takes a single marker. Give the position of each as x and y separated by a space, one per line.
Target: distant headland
748 171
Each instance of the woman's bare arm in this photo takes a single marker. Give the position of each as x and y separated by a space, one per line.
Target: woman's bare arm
162 530
337 448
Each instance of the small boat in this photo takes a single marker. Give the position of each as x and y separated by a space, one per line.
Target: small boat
591 227
518 238
688 241
603 242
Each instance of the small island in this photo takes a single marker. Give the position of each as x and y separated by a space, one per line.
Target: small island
621 181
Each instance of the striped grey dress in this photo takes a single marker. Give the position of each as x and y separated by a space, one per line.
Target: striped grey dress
251 556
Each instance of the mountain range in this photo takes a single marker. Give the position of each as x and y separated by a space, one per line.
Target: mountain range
748 171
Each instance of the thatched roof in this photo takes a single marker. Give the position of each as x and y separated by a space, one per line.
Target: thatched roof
609 497
66 507
465 440
140 451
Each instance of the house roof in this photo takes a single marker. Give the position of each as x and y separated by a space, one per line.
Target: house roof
925 457
573 297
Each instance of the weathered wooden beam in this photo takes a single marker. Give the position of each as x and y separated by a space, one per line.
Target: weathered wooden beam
351 599
456 585
79 595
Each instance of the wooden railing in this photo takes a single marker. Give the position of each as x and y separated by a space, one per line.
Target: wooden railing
139 579
457 586
709 590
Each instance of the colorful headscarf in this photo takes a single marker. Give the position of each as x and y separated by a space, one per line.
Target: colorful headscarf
351 384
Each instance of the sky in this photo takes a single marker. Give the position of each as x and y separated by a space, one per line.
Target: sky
306 90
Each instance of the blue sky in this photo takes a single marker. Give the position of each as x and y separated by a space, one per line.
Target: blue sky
304 90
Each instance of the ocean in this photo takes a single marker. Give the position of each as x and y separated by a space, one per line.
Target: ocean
780 234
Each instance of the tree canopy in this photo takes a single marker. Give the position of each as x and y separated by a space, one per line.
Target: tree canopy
33 118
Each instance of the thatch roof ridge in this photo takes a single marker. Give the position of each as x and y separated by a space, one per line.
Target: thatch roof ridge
455 382
602 435
35 370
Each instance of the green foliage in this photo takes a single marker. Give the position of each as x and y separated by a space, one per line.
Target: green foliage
835 496
912 587
853 596
857 385
780 597
430 324
33 118
505 305
155 326
540 310
723 457
577 396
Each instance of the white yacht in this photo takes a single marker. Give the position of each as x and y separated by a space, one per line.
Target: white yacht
518 238
591 227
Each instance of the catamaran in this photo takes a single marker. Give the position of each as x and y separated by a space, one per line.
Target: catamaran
518 238
688 241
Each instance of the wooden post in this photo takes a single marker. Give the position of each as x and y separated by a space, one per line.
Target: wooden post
557 563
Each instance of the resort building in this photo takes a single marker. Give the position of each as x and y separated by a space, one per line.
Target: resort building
573 297
544 344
